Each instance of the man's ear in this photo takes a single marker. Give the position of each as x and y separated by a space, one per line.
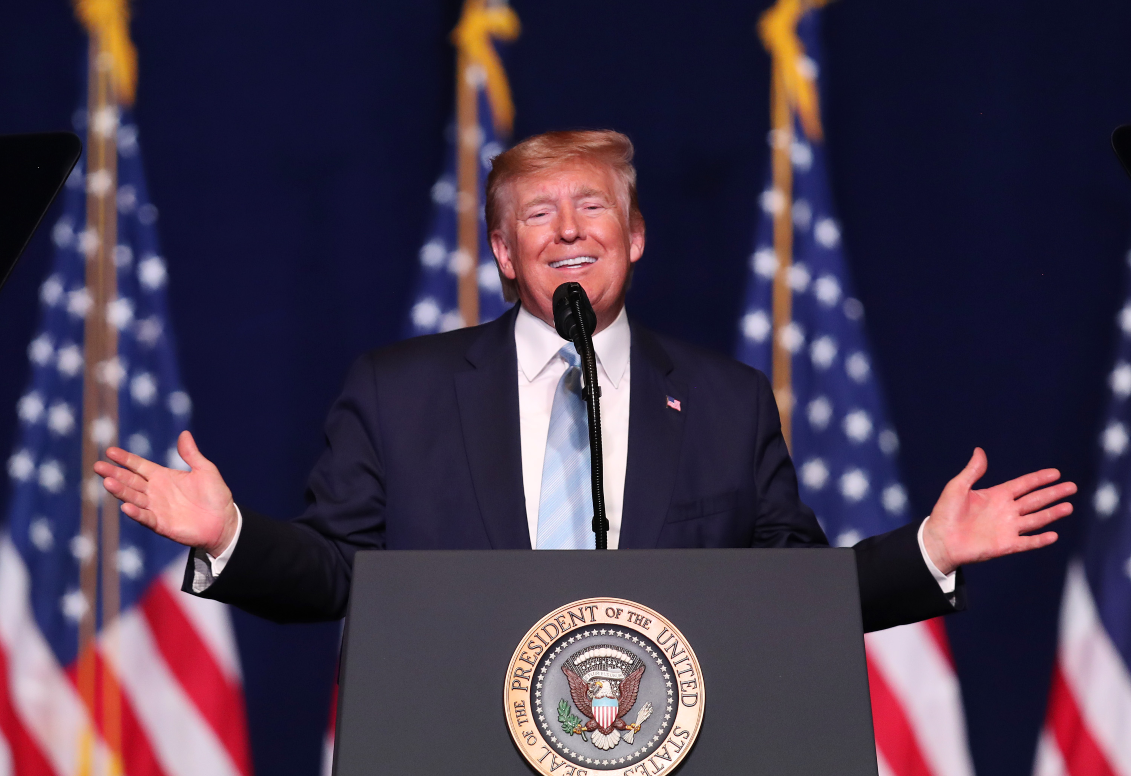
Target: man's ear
636 244
502 254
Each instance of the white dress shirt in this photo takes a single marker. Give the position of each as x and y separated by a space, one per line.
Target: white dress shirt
540 368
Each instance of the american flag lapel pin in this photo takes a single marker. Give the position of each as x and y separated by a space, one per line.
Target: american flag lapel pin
674 404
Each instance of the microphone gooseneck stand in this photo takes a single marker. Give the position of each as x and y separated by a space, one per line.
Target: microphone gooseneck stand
574 319
592 396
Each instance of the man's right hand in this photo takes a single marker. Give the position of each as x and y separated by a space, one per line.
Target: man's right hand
193 508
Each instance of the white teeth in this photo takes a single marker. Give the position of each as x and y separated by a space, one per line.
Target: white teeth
575 262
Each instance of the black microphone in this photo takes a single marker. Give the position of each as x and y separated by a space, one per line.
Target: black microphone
566 320
575 321
1120 143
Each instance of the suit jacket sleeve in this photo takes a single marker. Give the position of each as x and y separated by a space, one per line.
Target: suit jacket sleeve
896 587
299 571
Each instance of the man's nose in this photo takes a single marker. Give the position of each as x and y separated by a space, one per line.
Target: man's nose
569 227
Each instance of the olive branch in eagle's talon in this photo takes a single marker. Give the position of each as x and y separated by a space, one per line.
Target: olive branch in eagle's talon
570 723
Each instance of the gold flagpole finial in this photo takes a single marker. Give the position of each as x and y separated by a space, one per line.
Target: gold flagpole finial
480 24
108 23
793 71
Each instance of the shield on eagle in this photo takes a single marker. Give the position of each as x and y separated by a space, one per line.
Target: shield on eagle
605 711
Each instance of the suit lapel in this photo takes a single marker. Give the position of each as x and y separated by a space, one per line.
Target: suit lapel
488 407
655 435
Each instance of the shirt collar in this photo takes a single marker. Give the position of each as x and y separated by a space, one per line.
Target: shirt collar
537 342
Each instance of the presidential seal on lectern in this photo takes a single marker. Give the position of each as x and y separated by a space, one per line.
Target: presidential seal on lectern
602 685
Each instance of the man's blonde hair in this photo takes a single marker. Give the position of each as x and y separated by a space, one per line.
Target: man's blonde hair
552 149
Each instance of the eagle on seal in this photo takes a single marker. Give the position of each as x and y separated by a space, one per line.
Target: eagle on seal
604 682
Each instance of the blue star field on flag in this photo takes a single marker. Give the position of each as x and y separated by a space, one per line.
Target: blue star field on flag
842 443
1107 547
436 301
47 481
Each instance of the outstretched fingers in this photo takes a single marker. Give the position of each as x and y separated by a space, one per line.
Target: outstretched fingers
1038 520
1039 499
124 476
1026 543
134 463
143 516
125 493
1031 481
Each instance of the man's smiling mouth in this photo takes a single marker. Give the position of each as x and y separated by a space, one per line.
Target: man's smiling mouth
577 261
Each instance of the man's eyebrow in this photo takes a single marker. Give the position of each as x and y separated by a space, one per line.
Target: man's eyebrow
544 199
589 191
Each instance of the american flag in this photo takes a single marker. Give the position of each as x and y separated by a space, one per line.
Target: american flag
1087 729
457 248
162 690
832 405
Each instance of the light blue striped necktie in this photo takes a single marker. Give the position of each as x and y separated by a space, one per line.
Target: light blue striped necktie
565 508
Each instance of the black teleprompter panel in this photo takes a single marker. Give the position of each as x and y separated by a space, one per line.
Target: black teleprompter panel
33 168
777 633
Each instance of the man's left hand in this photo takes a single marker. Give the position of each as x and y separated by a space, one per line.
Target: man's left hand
970 526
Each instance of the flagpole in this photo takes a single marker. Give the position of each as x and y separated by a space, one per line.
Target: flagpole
783 250
468 141
100 394
111 80
793 93
477 67
88 532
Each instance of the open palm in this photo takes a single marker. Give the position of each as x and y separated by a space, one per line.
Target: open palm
193 508
970 526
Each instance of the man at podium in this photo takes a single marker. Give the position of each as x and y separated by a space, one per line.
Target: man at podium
476 438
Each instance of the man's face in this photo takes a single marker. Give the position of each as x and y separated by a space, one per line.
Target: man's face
568 223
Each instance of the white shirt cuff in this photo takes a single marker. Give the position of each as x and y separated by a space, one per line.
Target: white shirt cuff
206 568
946 581
220 561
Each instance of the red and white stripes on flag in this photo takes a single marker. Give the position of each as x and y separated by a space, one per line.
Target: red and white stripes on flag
916 702
1087 729
174 657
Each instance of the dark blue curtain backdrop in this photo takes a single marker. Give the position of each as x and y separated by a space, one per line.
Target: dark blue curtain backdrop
291 147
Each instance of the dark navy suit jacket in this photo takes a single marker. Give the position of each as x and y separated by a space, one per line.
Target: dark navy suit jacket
423 452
